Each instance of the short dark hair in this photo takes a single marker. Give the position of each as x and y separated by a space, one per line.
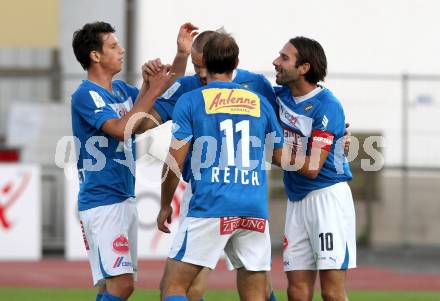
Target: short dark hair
202 38
310 51
220 54
88 39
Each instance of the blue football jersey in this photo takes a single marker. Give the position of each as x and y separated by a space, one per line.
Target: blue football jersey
164 105
249 80
106 175
317 117
227 126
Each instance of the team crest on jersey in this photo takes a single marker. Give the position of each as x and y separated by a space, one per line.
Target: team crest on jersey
308 108
231 101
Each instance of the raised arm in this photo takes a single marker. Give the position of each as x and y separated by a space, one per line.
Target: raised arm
185 39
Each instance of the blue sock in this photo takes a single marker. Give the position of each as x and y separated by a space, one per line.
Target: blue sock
272 297
175 298
202 299
98 297
107 297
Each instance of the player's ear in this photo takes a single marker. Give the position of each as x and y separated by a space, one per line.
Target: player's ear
304 68
94 56
236 63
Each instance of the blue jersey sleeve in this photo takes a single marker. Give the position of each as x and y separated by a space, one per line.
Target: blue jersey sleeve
182 116
90 105
330 118
274 127
267 91
132 91
164 105
328 125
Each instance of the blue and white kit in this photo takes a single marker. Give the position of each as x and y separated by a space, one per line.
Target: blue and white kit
320 217
106 203
227 126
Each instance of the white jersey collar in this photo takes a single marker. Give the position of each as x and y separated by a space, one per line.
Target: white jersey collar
234 75
309 95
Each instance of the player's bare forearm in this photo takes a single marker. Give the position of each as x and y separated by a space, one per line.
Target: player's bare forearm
169 185
179 65
122 128
172 170
276 157
150 122
168 188
171 173
308 166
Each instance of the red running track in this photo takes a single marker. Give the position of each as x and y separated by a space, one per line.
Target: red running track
58 273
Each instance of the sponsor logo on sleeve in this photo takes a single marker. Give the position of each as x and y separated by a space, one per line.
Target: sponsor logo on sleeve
171 90
97 99
231 101
120 244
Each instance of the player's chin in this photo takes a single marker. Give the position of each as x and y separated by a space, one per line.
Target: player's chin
118 69
279 80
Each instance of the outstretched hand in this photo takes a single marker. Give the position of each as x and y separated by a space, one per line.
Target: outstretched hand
185 38
347 139
160 81
164 215
152 67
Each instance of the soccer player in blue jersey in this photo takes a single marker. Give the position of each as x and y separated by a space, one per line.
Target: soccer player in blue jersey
225 124
163 107
163 111
101 109
320 217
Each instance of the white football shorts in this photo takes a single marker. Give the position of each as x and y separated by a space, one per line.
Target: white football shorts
110 237
320 231
201 241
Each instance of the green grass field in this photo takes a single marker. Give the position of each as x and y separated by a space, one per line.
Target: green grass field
41 294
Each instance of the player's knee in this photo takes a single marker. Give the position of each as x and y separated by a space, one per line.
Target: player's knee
195 292
331 294
127 288
161 284
299 293
121 286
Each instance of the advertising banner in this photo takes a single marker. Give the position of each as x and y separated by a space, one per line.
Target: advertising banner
20 212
